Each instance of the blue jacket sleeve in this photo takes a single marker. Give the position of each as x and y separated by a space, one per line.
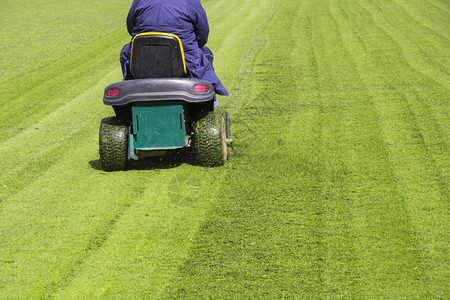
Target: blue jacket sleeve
201 26
131 18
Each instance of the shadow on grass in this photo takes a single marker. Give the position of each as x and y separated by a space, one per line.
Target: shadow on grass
167 161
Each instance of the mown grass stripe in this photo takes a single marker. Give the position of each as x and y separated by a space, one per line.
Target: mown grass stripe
36 34
412 33
436 94
239 36
142 243
62 226
442 5
410 54
387 102
250 269
354 183
340 110
63 81
338 187
38 147
435 26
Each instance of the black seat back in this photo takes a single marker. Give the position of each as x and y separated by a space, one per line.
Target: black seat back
157 55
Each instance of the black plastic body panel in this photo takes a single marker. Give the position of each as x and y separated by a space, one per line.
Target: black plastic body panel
158 89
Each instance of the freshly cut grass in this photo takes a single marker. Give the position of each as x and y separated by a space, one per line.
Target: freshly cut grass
37 33
338 186
342 186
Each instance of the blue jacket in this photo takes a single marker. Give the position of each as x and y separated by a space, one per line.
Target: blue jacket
184 18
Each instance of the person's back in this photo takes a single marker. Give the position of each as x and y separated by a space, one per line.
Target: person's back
184 18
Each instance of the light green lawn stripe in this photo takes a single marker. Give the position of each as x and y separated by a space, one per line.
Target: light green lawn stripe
224 17
86 55
240 86
394 136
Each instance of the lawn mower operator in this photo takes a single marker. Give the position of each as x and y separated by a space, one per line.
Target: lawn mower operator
184 18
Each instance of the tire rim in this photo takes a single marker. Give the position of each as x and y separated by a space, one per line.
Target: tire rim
223 137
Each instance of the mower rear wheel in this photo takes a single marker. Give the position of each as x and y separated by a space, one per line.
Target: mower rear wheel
113 144
210 140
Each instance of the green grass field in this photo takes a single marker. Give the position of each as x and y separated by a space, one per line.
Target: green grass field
339 183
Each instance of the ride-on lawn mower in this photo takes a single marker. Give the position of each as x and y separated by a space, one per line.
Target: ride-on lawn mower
161 109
